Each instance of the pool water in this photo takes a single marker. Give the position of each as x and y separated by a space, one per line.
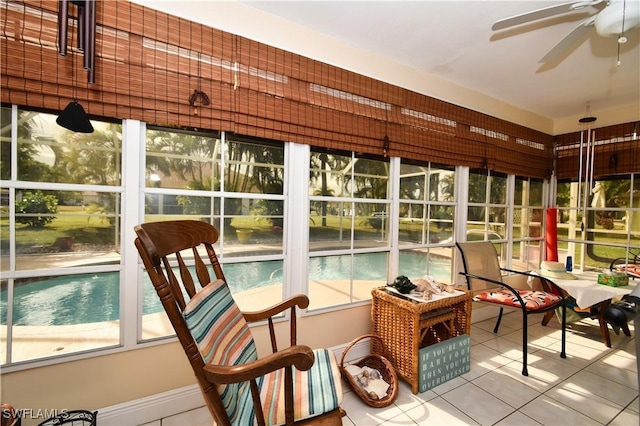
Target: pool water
87 298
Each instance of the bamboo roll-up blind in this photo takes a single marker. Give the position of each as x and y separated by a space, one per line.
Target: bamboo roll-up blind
616 150
146 67
149 65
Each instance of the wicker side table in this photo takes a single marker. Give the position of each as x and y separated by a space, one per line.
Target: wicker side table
405 326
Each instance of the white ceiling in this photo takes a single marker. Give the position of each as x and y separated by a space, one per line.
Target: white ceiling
453 40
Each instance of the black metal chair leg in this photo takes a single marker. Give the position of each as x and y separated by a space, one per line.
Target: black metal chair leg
563 352
495 329
525 372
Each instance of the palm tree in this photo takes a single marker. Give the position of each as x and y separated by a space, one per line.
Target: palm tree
321 163
29 168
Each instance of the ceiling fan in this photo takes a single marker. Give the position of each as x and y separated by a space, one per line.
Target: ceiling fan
617 17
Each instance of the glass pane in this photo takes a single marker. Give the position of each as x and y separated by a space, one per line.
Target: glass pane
563 194
498 189
337 280
413 182
477 188
333 230
536 192
497 219
162 206
329 281
476 213
5 243
371 225
251 167
369 272
412 223
535 224
4 294
441 184
181 161
64 314
433 261
327 174
5 142
370 179
520 196
155 322
526 255
84 225
255 285
255 226
441 223
51 153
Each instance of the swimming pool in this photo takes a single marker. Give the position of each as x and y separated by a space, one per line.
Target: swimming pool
87 298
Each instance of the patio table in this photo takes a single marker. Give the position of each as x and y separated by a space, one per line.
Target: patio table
592 296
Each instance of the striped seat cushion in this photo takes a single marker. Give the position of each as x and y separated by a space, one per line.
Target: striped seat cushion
223 338
315 391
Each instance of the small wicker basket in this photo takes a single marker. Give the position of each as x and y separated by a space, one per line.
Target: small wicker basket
377 362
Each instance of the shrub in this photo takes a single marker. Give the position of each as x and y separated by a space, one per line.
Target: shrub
35 209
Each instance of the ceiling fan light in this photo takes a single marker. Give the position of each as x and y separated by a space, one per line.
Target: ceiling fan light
622 39
587 119
618 17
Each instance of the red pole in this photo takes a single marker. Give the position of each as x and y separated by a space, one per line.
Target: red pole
551 235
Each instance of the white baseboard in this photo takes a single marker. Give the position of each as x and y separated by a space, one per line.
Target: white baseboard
165 404
153 407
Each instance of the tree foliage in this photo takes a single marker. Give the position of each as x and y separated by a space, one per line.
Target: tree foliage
36 209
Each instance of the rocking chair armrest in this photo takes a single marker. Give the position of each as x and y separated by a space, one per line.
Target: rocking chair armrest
299 300
298 356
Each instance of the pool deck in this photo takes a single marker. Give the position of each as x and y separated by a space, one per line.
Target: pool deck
33 342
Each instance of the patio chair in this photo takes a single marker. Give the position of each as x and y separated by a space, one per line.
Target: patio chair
295 385
484 278
630 264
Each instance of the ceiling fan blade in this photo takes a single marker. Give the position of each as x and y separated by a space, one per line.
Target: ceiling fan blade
569 41
546 12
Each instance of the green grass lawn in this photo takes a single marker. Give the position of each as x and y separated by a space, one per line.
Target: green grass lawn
72 222
98 230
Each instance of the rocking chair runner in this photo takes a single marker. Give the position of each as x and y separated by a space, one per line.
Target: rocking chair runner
295 385
484 278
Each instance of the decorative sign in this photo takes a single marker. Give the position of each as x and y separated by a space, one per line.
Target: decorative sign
443 361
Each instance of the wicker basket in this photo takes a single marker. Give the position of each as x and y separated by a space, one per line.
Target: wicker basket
377 362
405 326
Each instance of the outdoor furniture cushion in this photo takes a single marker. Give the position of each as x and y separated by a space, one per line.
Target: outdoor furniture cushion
223 338
533 300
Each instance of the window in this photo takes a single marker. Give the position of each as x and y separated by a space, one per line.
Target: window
349 211
426 220
487 209
334 226
609 210
60 222
527 225
238 186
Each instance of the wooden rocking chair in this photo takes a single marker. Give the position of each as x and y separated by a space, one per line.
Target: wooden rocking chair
295 385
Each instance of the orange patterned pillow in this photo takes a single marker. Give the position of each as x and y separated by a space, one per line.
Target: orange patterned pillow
533 300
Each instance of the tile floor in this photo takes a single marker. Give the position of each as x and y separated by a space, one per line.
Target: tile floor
594 385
